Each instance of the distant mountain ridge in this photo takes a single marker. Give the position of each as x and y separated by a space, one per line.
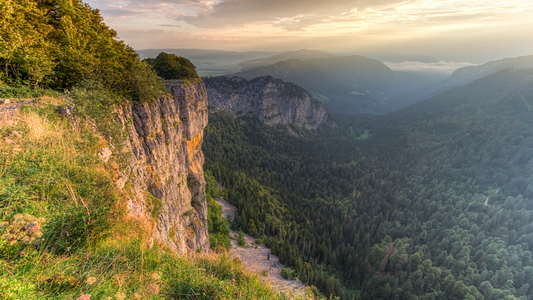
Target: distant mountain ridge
469 74
461 76
271 100
345 85
302 54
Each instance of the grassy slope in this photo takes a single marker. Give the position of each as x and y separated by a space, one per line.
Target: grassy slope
90 246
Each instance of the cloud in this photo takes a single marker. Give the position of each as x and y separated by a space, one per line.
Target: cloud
435 27
440 67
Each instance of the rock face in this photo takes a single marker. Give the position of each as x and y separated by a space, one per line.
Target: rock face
166 168
272 100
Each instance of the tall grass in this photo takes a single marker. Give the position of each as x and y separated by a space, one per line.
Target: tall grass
90 245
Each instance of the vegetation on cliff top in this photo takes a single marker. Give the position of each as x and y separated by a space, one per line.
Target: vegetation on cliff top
58 44
77 237
170 66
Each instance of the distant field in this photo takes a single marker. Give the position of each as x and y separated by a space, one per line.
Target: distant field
364 136
212 72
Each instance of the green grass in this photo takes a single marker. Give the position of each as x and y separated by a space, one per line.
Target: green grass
23 92
364 136
48 170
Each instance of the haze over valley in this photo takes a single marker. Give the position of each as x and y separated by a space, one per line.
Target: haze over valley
195 149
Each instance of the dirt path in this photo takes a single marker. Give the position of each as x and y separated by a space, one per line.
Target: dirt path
487 200
255 258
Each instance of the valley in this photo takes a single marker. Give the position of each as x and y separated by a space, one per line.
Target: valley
391 160
416 186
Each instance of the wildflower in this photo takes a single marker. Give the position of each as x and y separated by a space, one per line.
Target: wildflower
17 217
120 296
29 218
84 297
153 289
155 276
137 296
42 220
33 227
4 224
91 280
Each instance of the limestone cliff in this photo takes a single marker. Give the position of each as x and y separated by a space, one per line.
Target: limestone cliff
166 165
272 100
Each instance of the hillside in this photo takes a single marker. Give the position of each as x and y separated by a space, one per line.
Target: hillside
346 85
302 54
271 100
460 77
211 62
102 187
434 201
80 237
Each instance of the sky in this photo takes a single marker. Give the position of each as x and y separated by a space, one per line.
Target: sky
452 30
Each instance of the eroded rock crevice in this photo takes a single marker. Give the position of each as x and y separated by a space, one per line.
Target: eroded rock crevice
165 138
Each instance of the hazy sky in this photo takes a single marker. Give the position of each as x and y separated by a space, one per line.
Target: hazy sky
460 30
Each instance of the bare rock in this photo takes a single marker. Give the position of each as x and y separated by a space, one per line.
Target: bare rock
66 110
104 154
121 181
165 140
271 100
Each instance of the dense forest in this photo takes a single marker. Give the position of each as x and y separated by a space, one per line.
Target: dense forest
435 203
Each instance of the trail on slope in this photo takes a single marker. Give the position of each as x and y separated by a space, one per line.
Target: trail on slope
255 258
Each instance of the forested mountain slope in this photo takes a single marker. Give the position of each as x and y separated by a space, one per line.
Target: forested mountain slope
303 54
347 85
435 204
460 77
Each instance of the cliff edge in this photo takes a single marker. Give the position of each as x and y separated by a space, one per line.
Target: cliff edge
166 166
271 100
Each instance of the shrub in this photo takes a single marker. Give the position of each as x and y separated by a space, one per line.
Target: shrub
171 66
286 273
241 240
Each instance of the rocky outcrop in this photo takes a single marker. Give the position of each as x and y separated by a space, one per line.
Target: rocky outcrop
271 100
166 165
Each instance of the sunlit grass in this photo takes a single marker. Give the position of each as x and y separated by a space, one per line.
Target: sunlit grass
50 170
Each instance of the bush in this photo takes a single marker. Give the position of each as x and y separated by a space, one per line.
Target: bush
171 66
286 273
56 45
218 227
241 240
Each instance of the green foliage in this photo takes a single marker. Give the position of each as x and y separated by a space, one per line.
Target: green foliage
218 227
22 92
92 101
52 183
171 66
57 44
155 205
288 273
25 229
240 239
420 183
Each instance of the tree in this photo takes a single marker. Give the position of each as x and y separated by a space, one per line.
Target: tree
171 66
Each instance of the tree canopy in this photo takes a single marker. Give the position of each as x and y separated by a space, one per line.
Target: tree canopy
170 66
58 43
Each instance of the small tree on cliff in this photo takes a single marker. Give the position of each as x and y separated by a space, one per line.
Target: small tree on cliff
171 66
